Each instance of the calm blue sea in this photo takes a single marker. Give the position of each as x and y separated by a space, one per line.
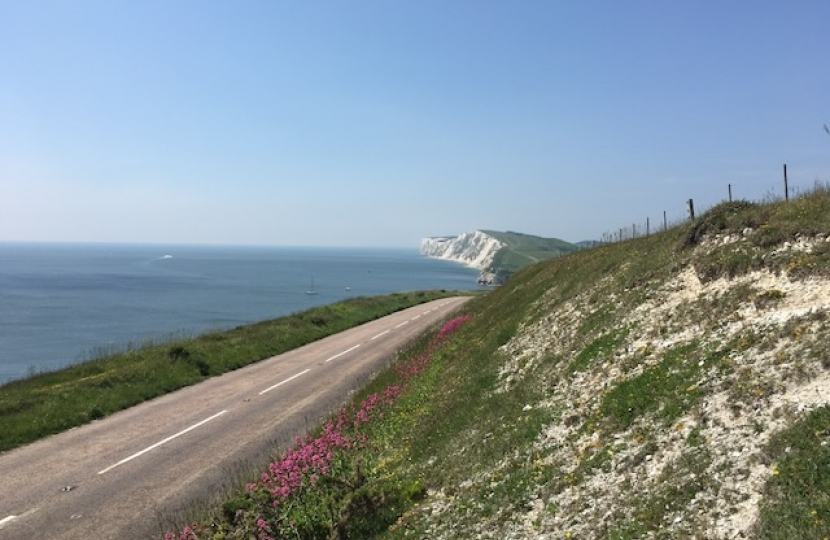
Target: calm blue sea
65 303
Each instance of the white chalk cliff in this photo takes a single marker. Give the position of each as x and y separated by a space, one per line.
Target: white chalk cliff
475 249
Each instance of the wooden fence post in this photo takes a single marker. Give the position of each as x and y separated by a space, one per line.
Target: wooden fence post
786 185
648 227
691 204
665 222
730 192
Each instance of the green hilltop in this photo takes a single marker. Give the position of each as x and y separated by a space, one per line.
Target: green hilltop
522 250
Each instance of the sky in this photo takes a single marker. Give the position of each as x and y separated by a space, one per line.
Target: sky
379 122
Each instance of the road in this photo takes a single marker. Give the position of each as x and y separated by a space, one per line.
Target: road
126 476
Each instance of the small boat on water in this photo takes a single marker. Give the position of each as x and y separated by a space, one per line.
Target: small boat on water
312 290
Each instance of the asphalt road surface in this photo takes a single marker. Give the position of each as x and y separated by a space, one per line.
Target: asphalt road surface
125 476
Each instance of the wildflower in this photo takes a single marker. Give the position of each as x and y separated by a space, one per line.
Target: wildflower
188 533
454 324
315 457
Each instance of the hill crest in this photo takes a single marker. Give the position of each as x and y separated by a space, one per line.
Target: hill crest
497 254
674 386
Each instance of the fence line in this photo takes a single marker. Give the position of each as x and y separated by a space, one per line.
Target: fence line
644 228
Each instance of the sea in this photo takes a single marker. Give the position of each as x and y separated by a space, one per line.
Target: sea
66 303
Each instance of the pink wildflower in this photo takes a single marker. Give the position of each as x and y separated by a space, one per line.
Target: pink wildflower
313 457
453 325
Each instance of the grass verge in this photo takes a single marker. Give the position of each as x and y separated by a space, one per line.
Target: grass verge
49 403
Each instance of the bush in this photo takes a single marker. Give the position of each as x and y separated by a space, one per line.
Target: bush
727 216
178 352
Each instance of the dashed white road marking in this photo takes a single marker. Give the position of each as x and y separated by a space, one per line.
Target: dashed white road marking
380 335
6 520
285 381
338 355
168 439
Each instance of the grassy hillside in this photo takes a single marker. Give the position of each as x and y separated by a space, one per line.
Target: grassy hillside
524 249
673 386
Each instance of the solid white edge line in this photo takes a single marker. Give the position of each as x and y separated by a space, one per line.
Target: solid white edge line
380 335
168 439
285 381
402 324
338 355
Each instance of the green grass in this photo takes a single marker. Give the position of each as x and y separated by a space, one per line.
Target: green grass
665 388
49 403
797 497
597 349
652 513
523 249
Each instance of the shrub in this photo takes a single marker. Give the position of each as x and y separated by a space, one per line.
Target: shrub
727 216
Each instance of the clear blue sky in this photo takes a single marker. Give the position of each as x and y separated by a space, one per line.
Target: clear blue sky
376 123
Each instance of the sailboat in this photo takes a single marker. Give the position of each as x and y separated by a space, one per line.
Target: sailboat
312 290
